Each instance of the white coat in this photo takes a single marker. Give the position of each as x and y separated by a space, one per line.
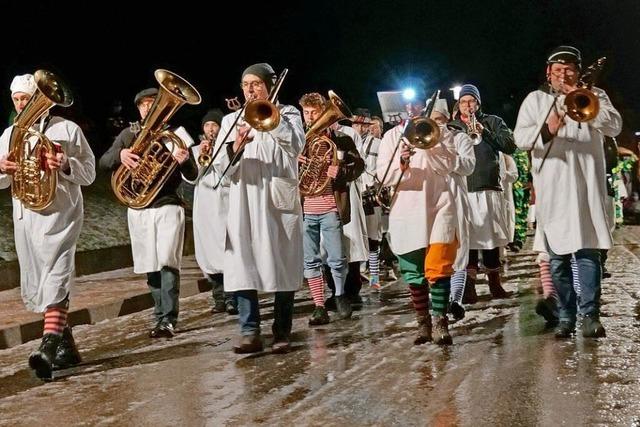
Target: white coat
508 175
46 240
571 196
465 163
263 248
157 234
210 208
355 232
424 210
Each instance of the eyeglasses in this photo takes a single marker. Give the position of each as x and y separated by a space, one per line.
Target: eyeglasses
253 85
564 72
469 102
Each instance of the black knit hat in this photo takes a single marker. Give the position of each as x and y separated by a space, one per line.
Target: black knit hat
214 115
151 92
565 55
262 70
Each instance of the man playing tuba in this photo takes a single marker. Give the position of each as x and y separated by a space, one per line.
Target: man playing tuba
327 212
157 231
46 239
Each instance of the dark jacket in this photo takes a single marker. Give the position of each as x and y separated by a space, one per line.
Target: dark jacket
351 167
496 138
168 193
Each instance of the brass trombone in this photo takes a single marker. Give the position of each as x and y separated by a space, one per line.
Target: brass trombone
581 104
261 115
422 132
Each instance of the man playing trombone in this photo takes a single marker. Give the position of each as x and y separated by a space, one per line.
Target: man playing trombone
263 249
422 220
571 206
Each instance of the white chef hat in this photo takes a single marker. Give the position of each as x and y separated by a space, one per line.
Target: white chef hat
24 83
442 108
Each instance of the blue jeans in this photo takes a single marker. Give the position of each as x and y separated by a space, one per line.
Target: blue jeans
249 313
165 290
329 226
588 261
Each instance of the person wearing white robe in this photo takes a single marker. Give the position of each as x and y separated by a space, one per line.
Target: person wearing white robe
367 184
422 221
571 197
508 175
157 231
210 208
465 163
263 248
487 225
46 240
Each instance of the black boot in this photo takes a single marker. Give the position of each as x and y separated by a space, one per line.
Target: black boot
67 354
344 307
470 296
592 328
548 308
42 359
456 310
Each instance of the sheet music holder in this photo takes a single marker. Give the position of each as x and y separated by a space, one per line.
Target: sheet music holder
392 105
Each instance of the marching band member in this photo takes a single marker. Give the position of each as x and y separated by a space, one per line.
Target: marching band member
325 215
210 207
157 231
487 226
570 190
422 222
46 240
263 249
368 185
464 165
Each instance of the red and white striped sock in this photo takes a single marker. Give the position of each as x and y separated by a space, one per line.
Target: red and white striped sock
548 290
420 299
55 319
316 286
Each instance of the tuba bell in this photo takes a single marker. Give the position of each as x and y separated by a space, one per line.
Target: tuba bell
138 187
582 104
33 183
320 150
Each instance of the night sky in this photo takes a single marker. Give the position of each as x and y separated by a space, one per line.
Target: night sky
353 47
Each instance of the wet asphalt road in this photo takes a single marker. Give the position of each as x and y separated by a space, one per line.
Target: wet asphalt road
504 369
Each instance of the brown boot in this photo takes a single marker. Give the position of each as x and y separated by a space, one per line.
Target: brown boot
441 331
495 286
424 329
470 296
248 344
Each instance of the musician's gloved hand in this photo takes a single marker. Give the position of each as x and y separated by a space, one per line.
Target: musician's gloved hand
128 158
181 155
7 166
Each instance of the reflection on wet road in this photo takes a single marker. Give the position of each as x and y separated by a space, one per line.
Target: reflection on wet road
504 368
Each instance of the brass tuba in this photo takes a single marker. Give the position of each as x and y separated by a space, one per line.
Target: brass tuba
320 150
138 187
34 184
582 104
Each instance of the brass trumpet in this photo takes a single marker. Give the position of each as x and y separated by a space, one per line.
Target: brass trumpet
204 158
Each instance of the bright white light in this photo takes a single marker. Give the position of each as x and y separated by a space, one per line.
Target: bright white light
456 91
409 94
